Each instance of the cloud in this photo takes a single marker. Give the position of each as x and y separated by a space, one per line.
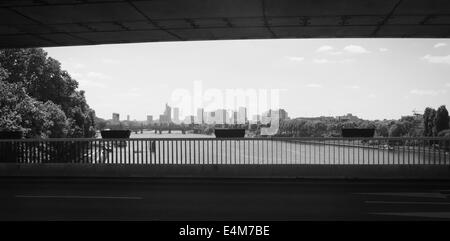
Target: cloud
372 96
427 92
76 75
295 58
343 61
98 75
356 49
383 49
355 87
440 45
447 84
335 52
135 89
133 92
73 63
321 61
91 83
328 61
437 59
78 65
110 61
313 85
87 82
324 48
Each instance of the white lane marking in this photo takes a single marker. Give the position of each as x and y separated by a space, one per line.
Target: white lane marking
424 203
444 191
419 214
76 197
408 194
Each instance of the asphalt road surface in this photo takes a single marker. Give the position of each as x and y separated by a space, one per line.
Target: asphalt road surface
221 199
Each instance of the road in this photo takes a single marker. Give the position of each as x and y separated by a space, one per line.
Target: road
221 199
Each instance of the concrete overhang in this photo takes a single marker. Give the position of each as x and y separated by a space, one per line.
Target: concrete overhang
44 23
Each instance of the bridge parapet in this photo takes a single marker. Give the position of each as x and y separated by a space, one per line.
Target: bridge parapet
230 151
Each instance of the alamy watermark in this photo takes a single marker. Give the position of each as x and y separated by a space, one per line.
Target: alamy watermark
256 101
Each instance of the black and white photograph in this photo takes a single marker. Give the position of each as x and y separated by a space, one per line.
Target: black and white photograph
217 118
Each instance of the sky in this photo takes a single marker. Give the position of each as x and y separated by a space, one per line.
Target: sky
370 78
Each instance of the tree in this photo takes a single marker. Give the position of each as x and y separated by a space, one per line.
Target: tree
55 121
396 130
43 80
20 112
10 96
441 119
445 144
100 123
382 129
428 121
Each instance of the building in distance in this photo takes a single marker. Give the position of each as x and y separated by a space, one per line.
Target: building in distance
176 115
234 118
221 117
210 118
188 120
166 118
242 116
115 118
348 117
200 118
256 118
149 119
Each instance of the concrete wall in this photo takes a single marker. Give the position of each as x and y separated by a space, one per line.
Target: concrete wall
228 171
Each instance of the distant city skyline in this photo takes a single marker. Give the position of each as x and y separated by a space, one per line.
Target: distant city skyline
370 78
219 116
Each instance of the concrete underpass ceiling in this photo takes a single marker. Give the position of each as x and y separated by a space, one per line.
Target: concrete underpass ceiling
46 23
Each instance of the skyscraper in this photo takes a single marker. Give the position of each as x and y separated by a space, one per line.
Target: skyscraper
256 118
200 116
149 119
168 113
166 118
176 115
210 117
221 116
189 120
234 117
242 115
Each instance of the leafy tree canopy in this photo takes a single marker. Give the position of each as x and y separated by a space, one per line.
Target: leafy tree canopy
41 99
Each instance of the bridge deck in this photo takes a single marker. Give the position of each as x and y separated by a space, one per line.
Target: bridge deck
61 23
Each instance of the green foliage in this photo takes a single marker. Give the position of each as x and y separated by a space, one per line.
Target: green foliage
100 123
441 119
209 130
55 124
40 98
445 144
21 112
397 130
428 121
435 121
329 126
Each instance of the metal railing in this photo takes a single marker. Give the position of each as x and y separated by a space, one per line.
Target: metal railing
245 151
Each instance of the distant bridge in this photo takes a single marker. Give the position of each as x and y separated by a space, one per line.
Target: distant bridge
168 128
